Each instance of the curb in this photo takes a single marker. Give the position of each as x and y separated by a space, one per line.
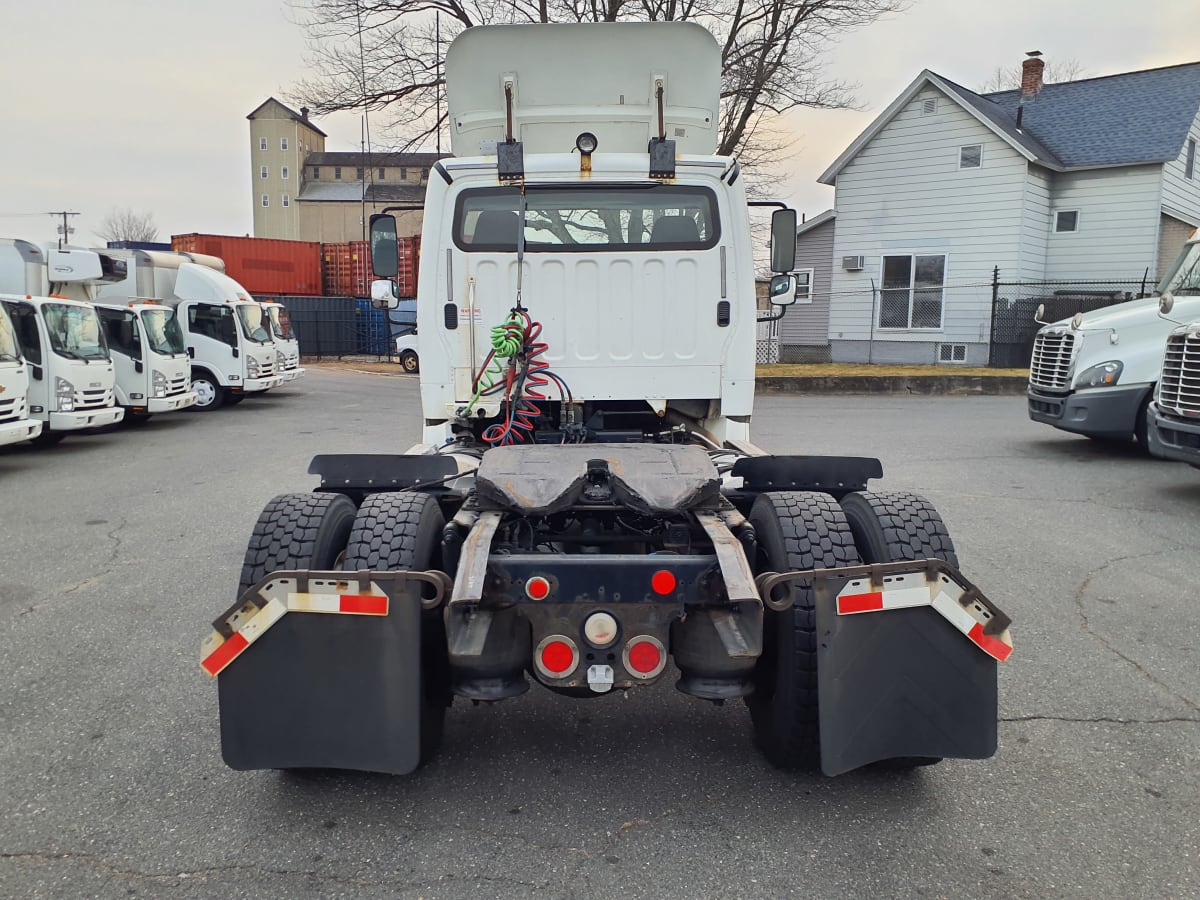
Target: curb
960 385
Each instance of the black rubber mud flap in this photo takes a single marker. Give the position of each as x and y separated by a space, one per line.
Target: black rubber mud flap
900 683
324 690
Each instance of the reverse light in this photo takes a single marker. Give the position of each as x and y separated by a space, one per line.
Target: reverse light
158 384
586 142
556 656
1105 374
64 394
600 630
644 656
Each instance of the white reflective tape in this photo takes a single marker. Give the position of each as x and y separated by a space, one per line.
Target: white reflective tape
953 612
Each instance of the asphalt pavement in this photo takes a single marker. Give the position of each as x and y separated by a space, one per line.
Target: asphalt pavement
118 549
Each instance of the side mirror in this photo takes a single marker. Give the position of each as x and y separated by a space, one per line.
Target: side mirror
1166 303
783 240
383 294
1039 315
36 372
782 291
385 254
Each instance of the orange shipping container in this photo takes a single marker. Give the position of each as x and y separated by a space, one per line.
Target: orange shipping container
261 265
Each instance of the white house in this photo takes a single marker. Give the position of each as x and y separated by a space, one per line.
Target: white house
1085 180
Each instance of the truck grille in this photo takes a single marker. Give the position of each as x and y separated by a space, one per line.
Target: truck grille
93 399
1179 384
12 409
178 385
1051 360
267 369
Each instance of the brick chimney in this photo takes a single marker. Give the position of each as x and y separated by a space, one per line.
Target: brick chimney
304 112
1031 74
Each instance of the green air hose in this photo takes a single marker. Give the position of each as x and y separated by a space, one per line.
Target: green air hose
507 341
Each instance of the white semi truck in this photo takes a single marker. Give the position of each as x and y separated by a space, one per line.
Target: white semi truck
1175 412
227 333
1095 374
15 423
71 376
586 505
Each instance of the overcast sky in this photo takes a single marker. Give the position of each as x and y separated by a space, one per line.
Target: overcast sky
124 103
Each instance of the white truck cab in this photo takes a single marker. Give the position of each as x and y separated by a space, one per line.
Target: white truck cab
72 379
15 423
149 355
287 346
1175 412
226 332
1095 374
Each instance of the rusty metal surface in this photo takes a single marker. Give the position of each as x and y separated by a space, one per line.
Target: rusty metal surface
731 556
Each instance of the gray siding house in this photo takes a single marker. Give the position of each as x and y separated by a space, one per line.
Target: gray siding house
1088 180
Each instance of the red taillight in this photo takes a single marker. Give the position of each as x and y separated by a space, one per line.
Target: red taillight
662 582
538 588
645 656
557 656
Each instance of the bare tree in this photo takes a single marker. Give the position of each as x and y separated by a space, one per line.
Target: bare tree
127 225
1008 78
387 54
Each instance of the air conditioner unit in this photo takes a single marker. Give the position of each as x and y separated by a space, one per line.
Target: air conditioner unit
853 263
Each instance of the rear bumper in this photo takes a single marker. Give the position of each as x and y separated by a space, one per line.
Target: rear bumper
1173 438
1102 412
171 404
90 418
20 430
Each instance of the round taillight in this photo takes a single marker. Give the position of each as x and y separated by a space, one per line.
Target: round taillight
645 657
537 588
556 656
662 582
600 629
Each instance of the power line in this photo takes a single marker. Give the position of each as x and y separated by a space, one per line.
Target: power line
64 229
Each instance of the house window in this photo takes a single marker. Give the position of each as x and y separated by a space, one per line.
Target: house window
337 173
1066 220
287 201
952 353
283 143
262 143
380 176
1189 168
912 293
804 279
929 106
316 173
266 201
262 171
358 174
424 174
283 173
970 156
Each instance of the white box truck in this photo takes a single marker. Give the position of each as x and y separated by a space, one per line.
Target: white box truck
586 506
1175 412
287 345
227 333
15 423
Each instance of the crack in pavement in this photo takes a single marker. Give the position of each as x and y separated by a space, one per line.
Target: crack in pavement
1106 644
1104 720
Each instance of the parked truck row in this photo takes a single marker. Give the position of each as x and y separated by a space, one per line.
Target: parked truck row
89 338
1129 371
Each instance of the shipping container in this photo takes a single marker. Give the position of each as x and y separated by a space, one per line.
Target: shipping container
261 265
138 245
346 269
410 262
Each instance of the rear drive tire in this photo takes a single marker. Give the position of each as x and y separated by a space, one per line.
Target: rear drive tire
898 526
796 530
396 531
209 394
297 531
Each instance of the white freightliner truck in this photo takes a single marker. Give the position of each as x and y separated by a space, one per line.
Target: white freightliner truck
143 341
71 377
15 424
585 506
1175 412
1095 374
226 331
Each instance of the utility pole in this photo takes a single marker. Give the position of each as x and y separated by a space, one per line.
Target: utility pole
64 230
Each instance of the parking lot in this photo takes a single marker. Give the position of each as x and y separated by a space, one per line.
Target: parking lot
120 548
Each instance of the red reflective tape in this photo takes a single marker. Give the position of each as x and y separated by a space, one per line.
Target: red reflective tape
225 654
991 646
363 604
856 603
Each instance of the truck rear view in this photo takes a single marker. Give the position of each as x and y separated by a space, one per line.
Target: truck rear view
585 510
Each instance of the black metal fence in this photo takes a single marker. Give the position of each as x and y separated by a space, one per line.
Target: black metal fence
337 327
1015 303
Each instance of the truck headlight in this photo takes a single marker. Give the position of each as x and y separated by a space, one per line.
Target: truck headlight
158 382
251 367
1105 374
64 393
279 358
